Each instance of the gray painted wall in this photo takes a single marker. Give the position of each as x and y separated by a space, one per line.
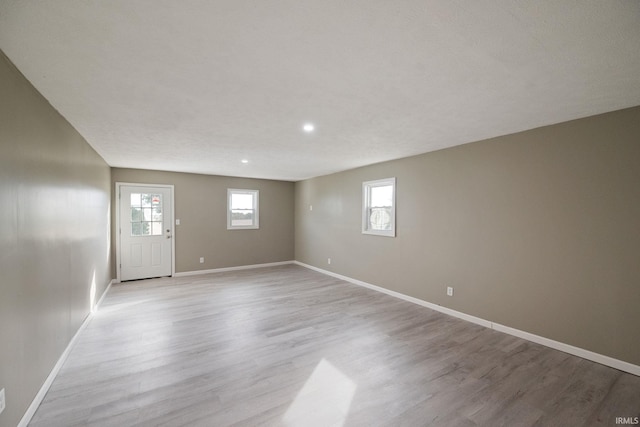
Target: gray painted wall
54 237
539 230
201 206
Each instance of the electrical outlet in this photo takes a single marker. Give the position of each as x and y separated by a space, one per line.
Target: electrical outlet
449 291
329 261
201 260
2 402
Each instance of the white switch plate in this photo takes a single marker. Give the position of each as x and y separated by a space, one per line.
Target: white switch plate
177 222
201 260
310 207
328 260
449 291
2 402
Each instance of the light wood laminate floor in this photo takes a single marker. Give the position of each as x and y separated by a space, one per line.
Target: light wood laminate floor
293 347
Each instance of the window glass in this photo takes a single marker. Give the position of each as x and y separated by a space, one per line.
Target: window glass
378 207
242 210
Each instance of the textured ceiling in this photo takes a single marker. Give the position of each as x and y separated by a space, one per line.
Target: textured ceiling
196 86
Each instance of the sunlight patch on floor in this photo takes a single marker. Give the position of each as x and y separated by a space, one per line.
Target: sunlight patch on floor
324 400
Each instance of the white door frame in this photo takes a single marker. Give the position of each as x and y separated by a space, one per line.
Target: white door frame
118 229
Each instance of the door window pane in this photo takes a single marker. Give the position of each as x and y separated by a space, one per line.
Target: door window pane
136 229
135 200
156 228
146 214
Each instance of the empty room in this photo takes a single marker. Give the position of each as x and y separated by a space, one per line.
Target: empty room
319 213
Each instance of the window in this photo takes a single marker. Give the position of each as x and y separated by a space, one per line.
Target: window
242 209
379 207
146 214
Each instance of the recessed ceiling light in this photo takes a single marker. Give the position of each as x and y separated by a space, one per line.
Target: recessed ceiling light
245 161
308 127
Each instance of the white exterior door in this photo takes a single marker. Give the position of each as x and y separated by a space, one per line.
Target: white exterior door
146 231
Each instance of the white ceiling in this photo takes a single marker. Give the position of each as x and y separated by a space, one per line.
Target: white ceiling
198 85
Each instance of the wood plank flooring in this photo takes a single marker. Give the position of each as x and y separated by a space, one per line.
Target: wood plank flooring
289 346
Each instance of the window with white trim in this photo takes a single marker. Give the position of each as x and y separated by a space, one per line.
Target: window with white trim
242 209
379 207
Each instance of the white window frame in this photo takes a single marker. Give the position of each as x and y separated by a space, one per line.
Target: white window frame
366 206
256 209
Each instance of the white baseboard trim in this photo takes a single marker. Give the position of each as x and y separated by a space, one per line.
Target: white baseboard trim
223 269
557 345
576 351
414 300
31 410
104 294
